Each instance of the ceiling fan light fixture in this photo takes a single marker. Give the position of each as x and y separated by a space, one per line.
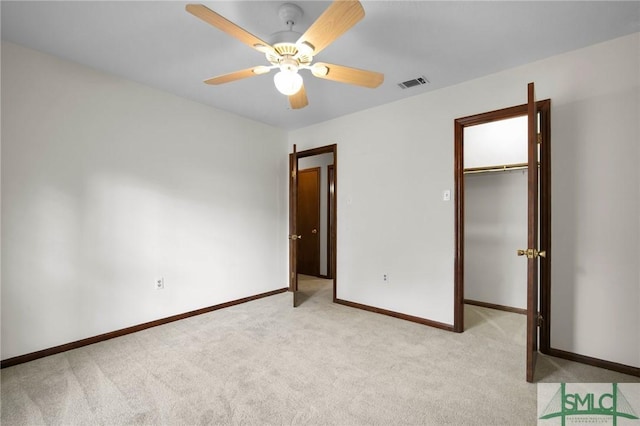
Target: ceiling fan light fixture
288 82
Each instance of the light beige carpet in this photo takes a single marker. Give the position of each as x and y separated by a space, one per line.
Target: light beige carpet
264 362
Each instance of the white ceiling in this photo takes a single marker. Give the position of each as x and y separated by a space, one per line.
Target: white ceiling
161 45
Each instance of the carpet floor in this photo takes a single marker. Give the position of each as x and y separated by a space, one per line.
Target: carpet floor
264 362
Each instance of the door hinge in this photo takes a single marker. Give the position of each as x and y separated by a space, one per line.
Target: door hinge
293 174
539 138
532 253
540 320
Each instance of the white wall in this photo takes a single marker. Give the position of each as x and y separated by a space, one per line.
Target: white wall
495 226
500 142
108 184
395 160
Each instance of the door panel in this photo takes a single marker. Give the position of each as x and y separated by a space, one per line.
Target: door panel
532 234
293 236
308 221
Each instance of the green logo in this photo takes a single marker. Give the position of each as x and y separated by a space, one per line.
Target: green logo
585 405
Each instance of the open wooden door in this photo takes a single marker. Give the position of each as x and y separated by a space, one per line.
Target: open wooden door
532 252
293 236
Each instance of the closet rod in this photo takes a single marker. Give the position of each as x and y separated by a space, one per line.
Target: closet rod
501 168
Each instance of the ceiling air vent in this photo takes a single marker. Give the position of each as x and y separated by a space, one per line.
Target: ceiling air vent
413 83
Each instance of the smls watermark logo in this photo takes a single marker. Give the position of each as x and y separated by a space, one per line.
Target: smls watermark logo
588 403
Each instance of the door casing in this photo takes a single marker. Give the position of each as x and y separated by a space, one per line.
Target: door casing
330 216
333 234
544 109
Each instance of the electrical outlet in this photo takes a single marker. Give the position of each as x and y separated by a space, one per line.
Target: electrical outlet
160 283
385 278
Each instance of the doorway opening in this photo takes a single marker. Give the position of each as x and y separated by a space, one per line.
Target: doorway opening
495 206
544 186
312 222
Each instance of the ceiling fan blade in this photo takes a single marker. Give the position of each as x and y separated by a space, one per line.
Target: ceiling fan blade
223 24
335 21
347 75
238 75
299 100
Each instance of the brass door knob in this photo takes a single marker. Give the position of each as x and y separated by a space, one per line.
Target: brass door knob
314 231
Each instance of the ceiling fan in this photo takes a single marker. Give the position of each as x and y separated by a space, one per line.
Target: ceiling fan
290 51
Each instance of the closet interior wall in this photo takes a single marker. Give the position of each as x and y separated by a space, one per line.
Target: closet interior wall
495 190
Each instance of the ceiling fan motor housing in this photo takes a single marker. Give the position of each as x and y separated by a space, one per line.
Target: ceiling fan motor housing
285 42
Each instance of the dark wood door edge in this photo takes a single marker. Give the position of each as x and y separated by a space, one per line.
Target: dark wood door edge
533 232
293 201
419 320
544 108
9 362
330 219
596 362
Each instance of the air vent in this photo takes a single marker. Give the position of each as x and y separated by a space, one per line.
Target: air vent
413 83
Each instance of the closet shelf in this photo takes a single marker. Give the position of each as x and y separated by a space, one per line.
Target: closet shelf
497 168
